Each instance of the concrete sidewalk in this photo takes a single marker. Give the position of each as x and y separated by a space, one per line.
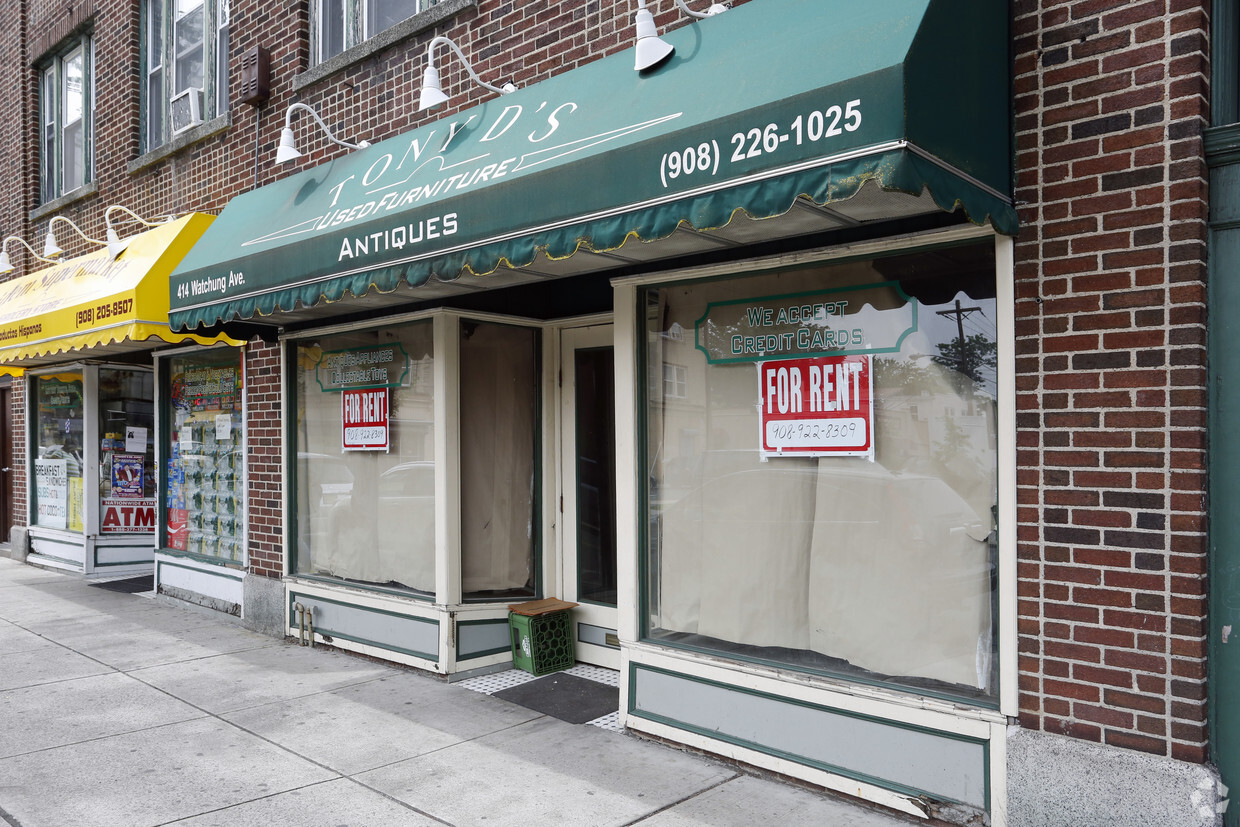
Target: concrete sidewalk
117 709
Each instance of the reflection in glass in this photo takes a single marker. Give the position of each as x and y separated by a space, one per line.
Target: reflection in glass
367 516
204 501
594 403
59 451
880 568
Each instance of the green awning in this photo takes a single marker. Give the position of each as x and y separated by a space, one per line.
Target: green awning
775 104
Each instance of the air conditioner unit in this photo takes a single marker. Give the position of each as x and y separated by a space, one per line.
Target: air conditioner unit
186 110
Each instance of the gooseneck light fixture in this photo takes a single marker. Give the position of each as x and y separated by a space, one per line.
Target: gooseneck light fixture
650 49
432 96
51 249
287 150
6 264
715 8
117 245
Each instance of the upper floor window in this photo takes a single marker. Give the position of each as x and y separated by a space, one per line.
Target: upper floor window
66 100
185 66
342 24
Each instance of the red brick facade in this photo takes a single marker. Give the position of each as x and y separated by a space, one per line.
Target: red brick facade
1110 99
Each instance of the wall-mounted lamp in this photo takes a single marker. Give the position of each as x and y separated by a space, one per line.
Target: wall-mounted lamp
715 8
650 49
432 95
287 150
117 245
51 249
6 264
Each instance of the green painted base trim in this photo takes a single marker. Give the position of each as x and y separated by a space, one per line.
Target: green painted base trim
1222 145
293 597
485 653
218 562
335 581
76 564
842 676
165 564
799 759
76 543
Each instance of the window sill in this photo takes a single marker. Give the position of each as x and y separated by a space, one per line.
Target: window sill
201 132
57 204
420 22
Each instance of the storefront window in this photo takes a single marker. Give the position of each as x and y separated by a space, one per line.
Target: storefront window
364 477
821 449
204 506
60 457
126 452
499 433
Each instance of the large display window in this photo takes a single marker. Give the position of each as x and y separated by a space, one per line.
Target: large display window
113 406
57 500
365 467
820 446
364 473
499 436
204 500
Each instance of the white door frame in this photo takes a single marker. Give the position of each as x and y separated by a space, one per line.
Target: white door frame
595 625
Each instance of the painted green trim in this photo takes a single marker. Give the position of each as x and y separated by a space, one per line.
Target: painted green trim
99 565
123 547
1222 145
1224 62
485 653
799 759
160 565
365 587
77 564
218 562
58 541
292 623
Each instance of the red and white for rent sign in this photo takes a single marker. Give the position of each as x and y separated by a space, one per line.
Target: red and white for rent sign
817 407
364 419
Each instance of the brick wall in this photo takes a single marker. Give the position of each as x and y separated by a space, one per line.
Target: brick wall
1111 98
263 412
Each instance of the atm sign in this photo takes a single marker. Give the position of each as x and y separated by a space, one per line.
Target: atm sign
127 516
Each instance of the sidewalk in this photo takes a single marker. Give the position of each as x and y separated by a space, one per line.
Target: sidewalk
117 709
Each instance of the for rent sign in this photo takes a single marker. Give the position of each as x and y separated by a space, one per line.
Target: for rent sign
817 407
364 419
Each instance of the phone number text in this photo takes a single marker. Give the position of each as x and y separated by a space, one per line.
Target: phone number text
706 158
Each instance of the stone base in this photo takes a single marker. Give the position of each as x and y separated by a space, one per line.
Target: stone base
18 546
263 608
1054 780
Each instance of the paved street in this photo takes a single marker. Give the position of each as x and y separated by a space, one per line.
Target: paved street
119 709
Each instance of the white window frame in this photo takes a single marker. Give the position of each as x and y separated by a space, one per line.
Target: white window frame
53 98
160 83
355 21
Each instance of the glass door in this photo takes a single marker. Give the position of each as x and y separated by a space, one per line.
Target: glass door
588 452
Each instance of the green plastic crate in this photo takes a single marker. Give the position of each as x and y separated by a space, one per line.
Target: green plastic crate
543 643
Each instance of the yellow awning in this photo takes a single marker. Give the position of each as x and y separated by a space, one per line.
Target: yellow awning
95 307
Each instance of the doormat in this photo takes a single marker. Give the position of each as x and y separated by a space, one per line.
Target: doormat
130 585
567 697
